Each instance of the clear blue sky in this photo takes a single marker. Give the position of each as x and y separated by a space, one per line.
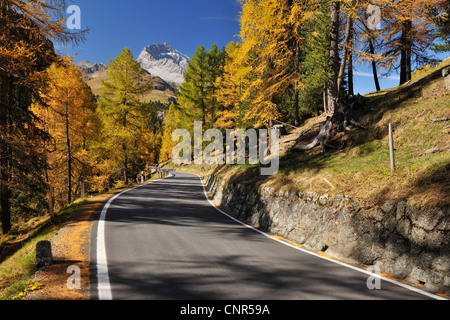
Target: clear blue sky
137 23
183 24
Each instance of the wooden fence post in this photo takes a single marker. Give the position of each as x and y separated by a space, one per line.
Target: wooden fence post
391 148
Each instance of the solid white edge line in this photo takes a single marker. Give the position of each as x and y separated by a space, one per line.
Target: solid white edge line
319 256
104 285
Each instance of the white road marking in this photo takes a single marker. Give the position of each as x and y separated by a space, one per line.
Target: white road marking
369 273
104 285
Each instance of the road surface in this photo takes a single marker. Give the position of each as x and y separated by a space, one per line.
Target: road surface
166 241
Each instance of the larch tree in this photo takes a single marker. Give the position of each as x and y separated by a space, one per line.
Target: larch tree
125 117
314 67
196 95
193 93
350 10
215 70
231 85
68 107
440 16
27 29
369 37
171 123
332 86
272 39
408 34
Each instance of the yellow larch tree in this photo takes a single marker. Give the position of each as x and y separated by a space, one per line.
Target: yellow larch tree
28 30
231 85
172 122
66 114
271 35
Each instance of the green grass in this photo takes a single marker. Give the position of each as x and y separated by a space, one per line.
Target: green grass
16 270
363 169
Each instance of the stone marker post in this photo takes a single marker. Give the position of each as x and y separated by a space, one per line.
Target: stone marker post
44 256
446 75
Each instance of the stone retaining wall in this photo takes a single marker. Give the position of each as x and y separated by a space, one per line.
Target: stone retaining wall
404 241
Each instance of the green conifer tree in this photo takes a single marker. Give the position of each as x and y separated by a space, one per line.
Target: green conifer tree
314 67
193 92
197 97
124 116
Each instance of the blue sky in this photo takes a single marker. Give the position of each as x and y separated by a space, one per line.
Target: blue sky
183 24
136 23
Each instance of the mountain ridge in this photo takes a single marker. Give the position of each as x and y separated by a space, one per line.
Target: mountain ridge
89 68
165 62
95 73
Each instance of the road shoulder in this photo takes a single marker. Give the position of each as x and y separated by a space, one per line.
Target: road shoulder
71 250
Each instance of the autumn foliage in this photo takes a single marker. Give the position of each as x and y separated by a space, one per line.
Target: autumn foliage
58 141
293 59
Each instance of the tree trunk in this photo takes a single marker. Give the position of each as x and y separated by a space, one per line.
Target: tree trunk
405 53
371 40
69 157
374 65
342 117
125 165
47 178
351 90
4 157
296 89
50 200
4 193
408 63
125 155
402 66
408 50
82 187
6 208
49 190
405 66
345 53
296 106
350 61
332 91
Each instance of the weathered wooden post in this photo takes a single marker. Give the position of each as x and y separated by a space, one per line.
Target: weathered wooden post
391 148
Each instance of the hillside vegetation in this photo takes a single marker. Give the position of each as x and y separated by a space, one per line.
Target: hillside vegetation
420 114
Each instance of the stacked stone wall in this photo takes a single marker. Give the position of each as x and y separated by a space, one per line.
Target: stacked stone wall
403 240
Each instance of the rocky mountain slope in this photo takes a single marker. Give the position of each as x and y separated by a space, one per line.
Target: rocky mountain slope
95 73
165 62
90 69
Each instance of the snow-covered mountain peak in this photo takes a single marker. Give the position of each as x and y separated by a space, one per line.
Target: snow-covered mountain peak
165 62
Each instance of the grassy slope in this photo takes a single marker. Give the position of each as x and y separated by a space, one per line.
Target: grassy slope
161 92
363 168
16 269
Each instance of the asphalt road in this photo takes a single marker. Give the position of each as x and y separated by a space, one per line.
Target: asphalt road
165 241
